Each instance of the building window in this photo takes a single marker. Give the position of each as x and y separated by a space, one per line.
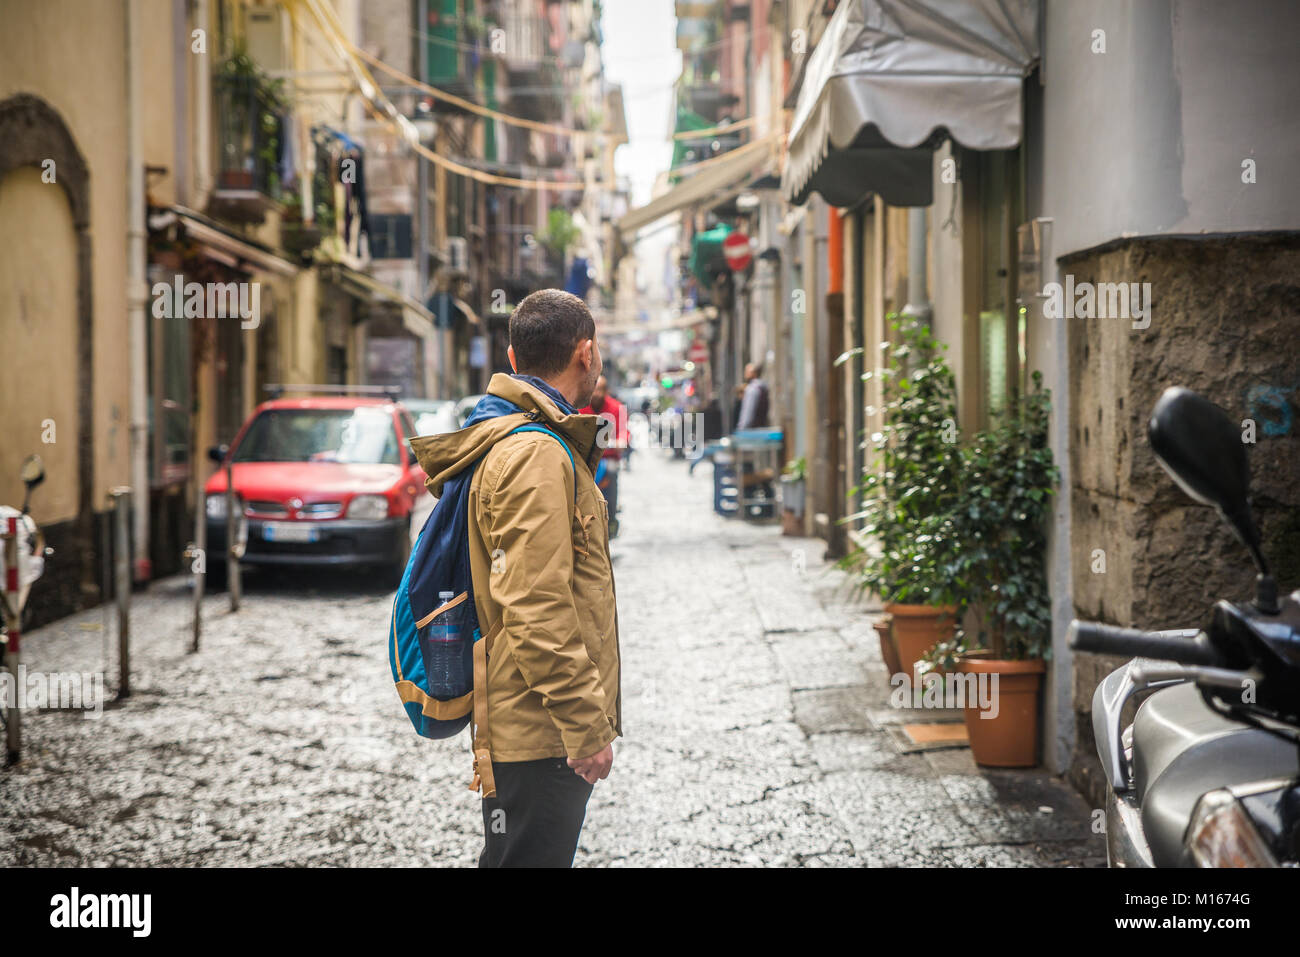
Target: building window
390 236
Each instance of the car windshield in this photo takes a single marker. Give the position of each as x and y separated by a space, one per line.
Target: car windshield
363 436
438 422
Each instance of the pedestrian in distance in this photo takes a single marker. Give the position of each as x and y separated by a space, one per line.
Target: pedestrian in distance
754 402
613 435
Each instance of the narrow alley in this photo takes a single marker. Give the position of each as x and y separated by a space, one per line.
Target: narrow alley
757 728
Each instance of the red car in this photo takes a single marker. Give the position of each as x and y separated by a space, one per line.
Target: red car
323 481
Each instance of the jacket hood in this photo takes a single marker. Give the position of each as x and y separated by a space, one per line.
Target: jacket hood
509 403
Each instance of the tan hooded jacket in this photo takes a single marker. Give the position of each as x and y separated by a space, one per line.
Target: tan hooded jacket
543 582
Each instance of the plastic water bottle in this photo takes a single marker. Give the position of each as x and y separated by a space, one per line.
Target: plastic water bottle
446 653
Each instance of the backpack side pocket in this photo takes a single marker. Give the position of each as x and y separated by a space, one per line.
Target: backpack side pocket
446 637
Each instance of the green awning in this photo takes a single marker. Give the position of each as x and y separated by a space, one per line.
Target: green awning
687 121
707 259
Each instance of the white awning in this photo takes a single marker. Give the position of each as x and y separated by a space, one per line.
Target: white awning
717 174
233 250
890 77
686 320
415 317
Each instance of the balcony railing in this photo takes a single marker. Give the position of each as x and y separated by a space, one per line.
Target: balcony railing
250 131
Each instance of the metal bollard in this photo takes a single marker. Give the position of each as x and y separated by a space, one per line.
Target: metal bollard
120 498
192 553
234 548
197 551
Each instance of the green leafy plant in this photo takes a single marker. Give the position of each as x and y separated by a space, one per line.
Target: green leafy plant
1009 480
255 104
560 232
796 469
910 490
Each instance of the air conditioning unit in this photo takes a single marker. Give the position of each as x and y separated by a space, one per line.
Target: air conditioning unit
266 32
458 253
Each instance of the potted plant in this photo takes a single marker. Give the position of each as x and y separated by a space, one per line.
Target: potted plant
1001 523
884 628
909 556
296 236
793 486
249 124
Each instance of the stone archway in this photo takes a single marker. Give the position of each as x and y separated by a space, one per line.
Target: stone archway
33 132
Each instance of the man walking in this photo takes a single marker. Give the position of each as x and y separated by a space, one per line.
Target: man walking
754 402
543 586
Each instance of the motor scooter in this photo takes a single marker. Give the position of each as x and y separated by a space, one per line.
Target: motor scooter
22 562
1208 772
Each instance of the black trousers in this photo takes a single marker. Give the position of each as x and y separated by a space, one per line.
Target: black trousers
536 816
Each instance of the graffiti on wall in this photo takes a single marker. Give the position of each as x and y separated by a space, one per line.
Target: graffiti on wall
1272 407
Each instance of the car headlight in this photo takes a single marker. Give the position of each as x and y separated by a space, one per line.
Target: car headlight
368 507
1221 834
216 505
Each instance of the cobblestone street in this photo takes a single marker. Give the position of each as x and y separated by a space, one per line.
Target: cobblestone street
756 721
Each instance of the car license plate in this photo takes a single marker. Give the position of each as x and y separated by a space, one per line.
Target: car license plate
290 532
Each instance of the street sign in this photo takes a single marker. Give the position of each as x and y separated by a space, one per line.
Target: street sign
699 352
736 249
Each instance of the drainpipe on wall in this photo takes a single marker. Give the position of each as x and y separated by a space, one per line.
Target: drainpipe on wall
422 173
918 304
202 105
136 296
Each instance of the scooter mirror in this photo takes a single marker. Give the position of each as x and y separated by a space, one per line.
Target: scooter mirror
33 471
1199 446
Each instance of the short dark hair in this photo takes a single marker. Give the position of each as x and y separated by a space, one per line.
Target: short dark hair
546 327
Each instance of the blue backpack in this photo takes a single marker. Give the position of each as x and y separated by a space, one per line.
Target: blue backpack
439 566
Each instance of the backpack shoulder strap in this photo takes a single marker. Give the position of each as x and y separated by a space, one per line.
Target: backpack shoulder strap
483 780
563 444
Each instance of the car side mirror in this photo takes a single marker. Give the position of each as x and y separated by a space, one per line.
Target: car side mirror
218 453
1201 448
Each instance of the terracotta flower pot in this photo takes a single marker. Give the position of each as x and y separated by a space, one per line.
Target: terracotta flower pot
235 179
1010 738
917 628
884 630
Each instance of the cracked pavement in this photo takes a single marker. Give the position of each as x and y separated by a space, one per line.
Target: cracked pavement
756 721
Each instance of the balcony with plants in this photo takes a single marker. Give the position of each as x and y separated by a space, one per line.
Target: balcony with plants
250 111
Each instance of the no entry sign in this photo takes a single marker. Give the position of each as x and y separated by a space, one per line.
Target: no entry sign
736 249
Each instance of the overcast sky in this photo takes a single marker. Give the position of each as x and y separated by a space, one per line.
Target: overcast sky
641 53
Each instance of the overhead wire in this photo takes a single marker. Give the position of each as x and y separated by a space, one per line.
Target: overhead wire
714 130
536 125
385 112
509 119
